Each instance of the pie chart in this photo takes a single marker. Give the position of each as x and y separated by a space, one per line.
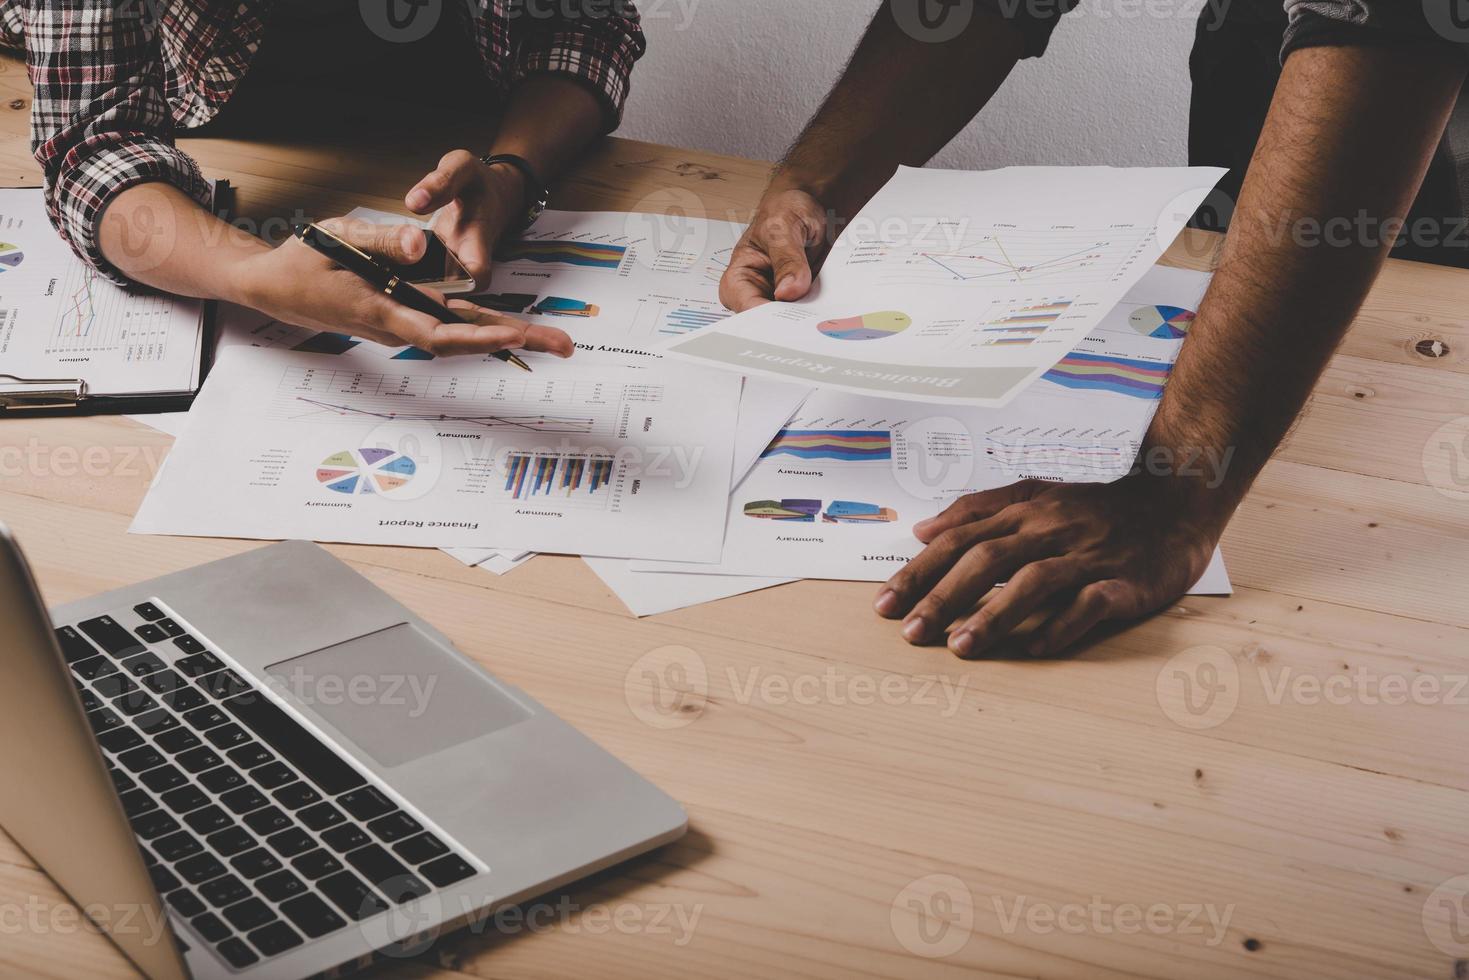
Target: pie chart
10 256
869 326
355 472
1162 322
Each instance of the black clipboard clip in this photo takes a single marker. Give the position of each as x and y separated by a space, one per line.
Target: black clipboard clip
20 394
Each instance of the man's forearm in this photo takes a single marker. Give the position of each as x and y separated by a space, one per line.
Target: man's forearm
899 102
549 121
157 235
1349 137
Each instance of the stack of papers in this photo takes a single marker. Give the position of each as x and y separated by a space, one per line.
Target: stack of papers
679 482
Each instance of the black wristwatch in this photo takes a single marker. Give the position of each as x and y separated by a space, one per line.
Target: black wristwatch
538 194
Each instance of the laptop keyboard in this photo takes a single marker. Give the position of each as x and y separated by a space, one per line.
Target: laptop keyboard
256 833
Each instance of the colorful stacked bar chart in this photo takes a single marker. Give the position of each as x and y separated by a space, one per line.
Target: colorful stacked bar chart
530 476
585 255
844 445
1102 372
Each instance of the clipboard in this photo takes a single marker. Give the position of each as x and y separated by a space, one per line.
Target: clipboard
52 397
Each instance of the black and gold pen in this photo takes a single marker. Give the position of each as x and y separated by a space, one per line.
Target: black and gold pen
380 276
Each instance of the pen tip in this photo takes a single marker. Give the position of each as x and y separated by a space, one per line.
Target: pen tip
519 363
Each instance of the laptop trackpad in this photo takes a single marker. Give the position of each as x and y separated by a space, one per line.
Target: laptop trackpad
397 695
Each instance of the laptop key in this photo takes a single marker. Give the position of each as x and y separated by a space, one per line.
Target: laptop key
312 916
289 843
231 841
176 740
210 926
120 740
317 864
199 664
348 893
164 880
347 837
250 755
197 760
111 637
206 717
148 611
281 732
224 891
93 668
113 685
136 801
185 799
321 816
153 824
293 796
188 644
273 775
200 868
387 872
224 684
252 913
170 627
228 736
447 870
74 646
253 864
177 846
366 803
395 826
424 847
143 663
222 780
121 781
208 820
185 902
244 799
90 701
103 720
135 703
184 699
163 681
157 721
149 633
281 886
163 778
236 953
274 939
142 758
268 821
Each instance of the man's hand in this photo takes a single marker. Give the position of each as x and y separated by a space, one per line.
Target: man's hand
774 259
480 205
297 285
1089 552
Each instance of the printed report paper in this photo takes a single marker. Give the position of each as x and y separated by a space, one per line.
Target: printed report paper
602 460
60 320
836 494
961 287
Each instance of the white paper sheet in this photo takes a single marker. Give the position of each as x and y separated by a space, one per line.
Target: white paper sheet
836 495
962 288
613 461
650 595
59 319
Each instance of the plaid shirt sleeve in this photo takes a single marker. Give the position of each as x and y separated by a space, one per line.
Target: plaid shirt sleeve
590 40
99 123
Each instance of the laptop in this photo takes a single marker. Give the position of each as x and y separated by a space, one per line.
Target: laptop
266 766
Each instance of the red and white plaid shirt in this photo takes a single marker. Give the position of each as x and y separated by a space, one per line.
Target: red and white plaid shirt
114 78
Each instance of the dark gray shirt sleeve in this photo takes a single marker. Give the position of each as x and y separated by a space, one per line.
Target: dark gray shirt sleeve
1318 23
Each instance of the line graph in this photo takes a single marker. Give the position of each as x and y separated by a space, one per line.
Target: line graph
1005 257
470 403
93 316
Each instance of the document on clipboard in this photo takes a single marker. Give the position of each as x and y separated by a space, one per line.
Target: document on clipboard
73 341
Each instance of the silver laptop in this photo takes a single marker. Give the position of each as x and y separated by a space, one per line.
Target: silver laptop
267 767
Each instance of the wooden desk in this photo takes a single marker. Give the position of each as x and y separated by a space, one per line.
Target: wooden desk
1059 797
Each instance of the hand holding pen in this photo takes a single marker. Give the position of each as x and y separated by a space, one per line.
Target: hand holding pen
299 284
